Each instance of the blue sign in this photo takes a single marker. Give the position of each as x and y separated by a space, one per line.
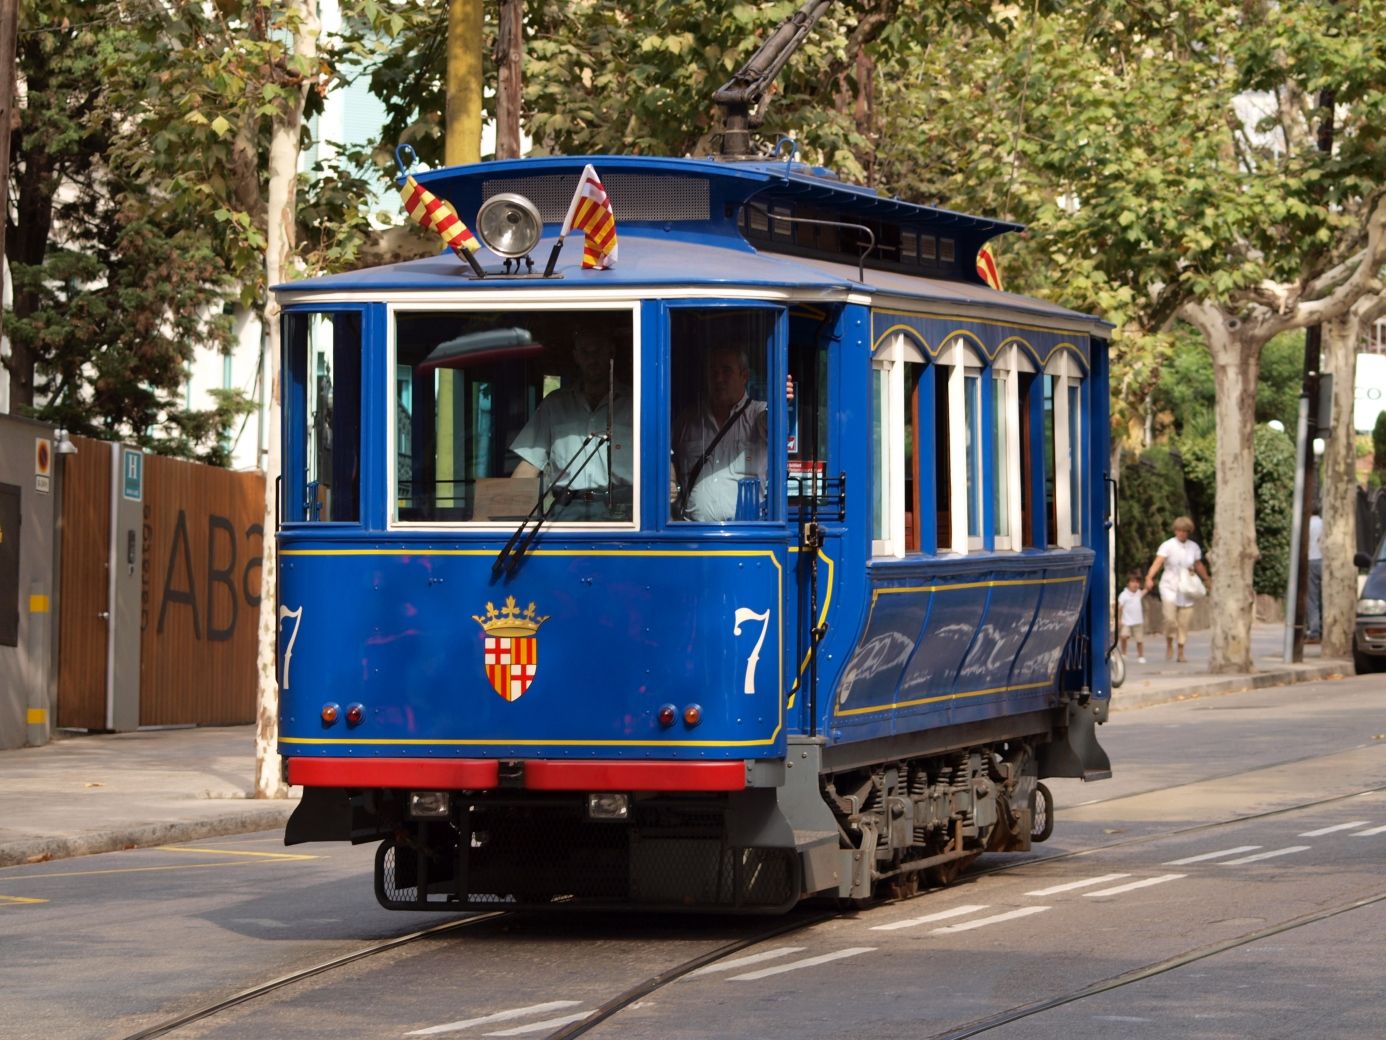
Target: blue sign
132 470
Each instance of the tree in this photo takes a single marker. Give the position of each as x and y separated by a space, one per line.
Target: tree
111 296
1128 136
222 130
1338 471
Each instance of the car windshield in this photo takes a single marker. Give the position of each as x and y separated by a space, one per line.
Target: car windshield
495 409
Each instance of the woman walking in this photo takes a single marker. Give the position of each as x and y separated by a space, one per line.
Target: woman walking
1182 561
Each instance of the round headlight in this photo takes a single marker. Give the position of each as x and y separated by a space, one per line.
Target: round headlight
509 224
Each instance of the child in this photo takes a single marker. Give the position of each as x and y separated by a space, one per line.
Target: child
1132 615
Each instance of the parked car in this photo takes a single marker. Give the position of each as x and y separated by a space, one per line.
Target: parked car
1369 638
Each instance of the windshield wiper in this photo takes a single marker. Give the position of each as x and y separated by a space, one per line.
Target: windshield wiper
509 557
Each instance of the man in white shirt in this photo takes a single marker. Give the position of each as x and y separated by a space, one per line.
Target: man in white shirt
720 441
1313 621
550 442
1177 556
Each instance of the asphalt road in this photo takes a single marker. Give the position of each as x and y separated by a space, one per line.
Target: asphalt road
1227 883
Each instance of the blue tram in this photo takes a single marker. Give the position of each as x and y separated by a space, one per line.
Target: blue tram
770 562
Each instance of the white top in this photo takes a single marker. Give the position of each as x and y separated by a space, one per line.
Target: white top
1315 533
558 427
1179 557
740 453
1130 603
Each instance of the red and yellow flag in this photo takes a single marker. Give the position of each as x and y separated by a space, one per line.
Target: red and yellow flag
429 211
986 268
590 212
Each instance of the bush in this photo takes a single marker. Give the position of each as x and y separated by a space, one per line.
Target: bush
1149 497
1274 474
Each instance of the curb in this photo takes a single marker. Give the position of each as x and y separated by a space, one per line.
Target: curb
37 850
1125 700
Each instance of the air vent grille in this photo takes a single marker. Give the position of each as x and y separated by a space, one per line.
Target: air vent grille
634 196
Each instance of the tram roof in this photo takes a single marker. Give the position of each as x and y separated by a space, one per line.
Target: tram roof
678 223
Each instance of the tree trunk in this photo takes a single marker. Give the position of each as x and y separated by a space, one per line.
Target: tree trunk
1236 368
1339 477
279 251
510 54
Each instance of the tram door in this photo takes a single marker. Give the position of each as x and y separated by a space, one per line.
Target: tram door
811 487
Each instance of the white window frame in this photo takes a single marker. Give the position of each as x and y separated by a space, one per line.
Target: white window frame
487 305
962 360
1064 368
889 393
1006 370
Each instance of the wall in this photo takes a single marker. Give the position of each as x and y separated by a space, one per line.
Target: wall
27 590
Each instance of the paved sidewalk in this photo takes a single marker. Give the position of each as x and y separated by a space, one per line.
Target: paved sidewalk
84 794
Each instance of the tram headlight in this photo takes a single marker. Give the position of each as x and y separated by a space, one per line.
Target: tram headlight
509 224
429 804
608 807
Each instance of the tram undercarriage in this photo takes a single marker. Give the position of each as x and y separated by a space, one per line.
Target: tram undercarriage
877 830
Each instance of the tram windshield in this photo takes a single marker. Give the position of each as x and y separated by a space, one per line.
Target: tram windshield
495 411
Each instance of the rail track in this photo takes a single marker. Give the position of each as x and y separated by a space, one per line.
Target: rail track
812 917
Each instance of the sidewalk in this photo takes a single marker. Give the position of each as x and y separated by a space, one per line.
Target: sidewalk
85 794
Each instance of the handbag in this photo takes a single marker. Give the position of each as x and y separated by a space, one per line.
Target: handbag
1191 585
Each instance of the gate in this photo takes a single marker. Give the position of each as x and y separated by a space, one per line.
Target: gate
199 593
85 589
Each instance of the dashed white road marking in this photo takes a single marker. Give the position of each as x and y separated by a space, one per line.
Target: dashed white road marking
741 962
942 915
541 1027
1266 855
982 922
1131 886
1070 886
1211 855
807 962
1368 833
1336 827
499 1016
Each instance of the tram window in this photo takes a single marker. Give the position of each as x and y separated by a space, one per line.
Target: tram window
496 412
1012 374
718 412
807 392
1051 503
958 460
899 444
1063 451
1025 389
322 472
943 475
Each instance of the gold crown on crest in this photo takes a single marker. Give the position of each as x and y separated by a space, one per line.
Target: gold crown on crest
508 621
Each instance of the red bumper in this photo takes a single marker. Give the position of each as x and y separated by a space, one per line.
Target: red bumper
479 774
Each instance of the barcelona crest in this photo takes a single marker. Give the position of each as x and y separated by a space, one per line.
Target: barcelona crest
512 647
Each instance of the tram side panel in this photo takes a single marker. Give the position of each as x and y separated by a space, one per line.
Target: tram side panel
572 659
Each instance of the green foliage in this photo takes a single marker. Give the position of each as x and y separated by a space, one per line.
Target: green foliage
1379 450
1275 490
1184 396
1150 495
112 290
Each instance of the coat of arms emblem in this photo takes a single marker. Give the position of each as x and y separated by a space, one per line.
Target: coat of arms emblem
512 650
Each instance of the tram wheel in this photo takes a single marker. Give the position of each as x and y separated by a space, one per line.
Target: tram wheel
1041 814
946 873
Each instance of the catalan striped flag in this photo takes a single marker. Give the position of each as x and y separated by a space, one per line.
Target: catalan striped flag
429 211
986 268
590 212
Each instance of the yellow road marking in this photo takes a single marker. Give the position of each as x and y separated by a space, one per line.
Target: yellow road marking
18 900
237 852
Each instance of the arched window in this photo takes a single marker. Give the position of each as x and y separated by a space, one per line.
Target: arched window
896 511
1063 440
1008 481
960 466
